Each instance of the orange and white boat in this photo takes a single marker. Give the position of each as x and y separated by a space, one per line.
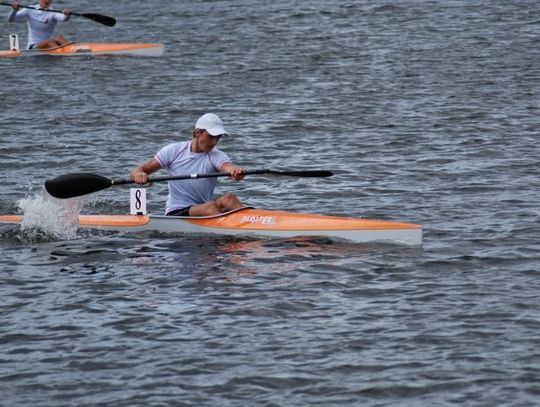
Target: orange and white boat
257 222
92 48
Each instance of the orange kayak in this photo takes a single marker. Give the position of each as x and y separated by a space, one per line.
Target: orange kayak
258 222
93 48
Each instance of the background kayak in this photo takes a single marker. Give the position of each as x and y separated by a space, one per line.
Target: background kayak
93 48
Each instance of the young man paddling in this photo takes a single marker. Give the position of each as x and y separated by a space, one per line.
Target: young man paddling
41 24
193 197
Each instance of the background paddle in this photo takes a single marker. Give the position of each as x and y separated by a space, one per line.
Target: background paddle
77 184
98 18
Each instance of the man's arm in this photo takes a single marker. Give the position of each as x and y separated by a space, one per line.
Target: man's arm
140 174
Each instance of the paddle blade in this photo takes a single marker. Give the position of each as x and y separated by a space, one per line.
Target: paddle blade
105 20
71 185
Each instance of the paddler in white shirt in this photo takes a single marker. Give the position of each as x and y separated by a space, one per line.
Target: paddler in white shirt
194 197
41 24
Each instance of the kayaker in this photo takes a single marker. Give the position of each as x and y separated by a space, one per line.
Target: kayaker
194 197
41 24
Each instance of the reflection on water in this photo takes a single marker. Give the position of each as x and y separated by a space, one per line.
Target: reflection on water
237 259
200 257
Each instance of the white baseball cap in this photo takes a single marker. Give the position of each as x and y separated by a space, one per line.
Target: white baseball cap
212 124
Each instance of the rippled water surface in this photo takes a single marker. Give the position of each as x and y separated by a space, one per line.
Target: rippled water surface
426 111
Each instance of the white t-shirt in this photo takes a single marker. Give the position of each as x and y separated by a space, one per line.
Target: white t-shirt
41 23
178 159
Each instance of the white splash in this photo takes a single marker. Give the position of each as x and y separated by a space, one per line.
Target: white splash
44 214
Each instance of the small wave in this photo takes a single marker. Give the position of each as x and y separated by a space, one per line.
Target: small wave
47 218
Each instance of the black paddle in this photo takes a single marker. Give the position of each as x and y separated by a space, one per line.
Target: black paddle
105 20
77 184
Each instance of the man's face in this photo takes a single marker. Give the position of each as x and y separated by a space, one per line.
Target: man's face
205 142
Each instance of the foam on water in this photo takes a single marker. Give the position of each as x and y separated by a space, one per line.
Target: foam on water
46 216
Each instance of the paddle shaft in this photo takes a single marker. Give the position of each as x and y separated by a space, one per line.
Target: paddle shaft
228 174
106 20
